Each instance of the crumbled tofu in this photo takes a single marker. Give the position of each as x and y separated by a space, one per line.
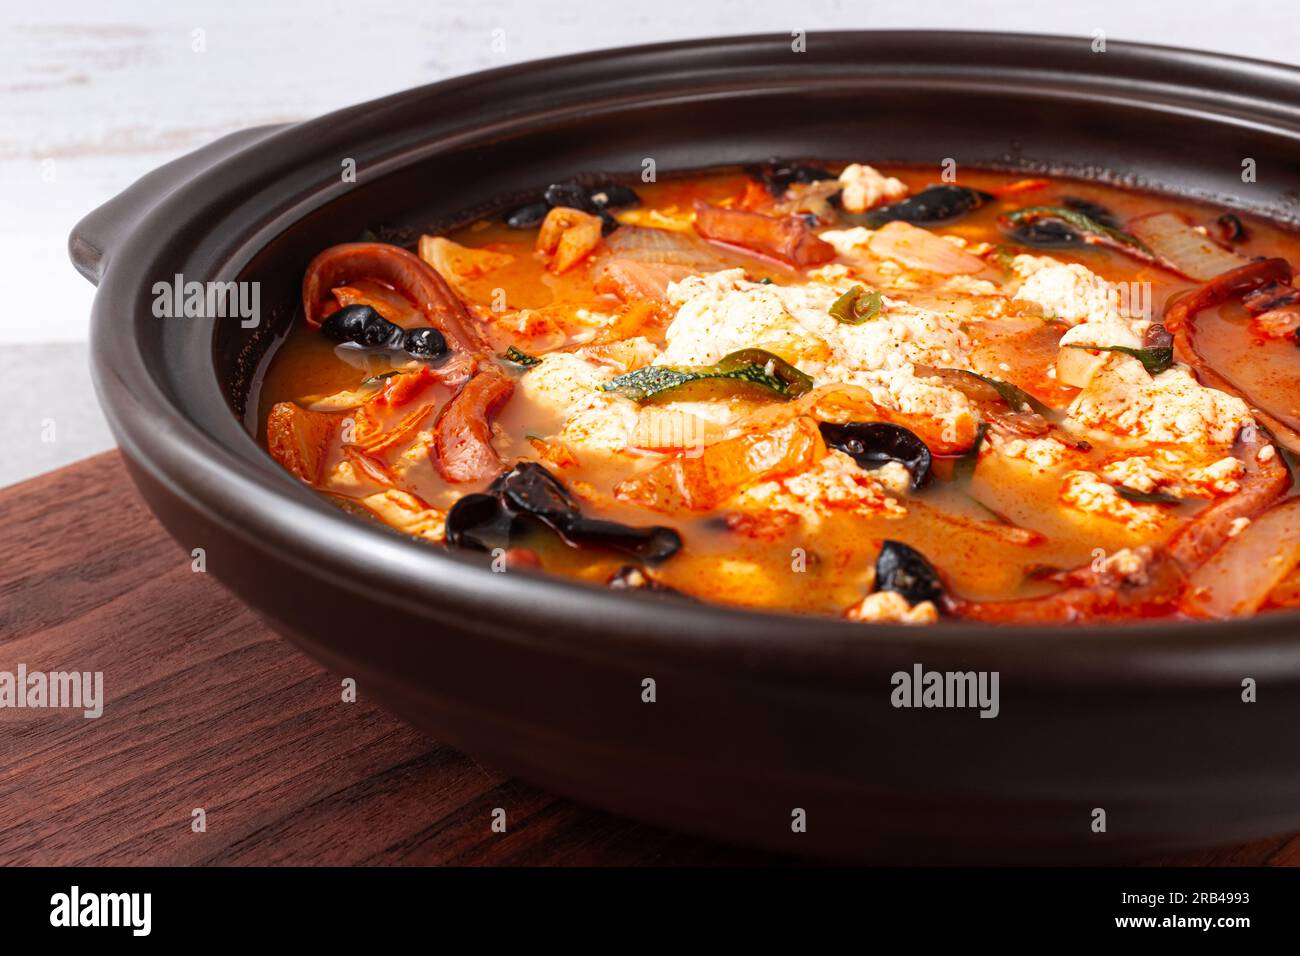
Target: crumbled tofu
723 312
1176 472
622 356
1065 290
563 395
1137 472
1125 402
903 391
969 285
1086 493
1238 526
1044 452
1266 454
1223 477
559 384
848 242
602 423
894 478
831 273
890 607
903 334
1107 332
1130 565
864 187
836 484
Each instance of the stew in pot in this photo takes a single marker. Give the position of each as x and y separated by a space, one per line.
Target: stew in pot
843 390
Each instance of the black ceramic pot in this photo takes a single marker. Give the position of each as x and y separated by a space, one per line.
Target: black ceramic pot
756 715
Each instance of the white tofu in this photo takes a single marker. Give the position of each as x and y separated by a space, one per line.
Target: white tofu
723 312
563 396
1045 453
849 243
1065 290
835 484
890 607
1127 404
864 187
838 482
1130 565
1107 332
901 390
1085 494
1177 473
560 384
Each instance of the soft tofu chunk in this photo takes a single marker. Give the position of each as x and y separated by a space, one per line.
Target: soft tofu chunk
837 482
849 243
1108 332
558 385
834 485
1177 473
902 335
1125 402
1043 453
1065 290
603 423
723 312
1088 495
563 396
864 187
890 607
1077 363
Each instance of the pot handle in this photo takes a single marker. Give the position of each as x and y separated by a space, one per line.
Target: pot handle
94 238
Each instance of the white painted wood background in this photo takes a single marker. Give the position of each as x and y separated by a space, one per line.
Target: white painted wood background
96 94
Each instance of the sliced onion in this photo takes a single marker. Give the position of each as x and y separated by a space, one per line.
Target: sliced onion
919 248
641 262
1240 575
1190 252
635 281
660 247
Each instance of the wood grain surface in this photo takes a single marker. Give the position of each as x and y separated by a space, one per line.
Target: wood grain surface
206 708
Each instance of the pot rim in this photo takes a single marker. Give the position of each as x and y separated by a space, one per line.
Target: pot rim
249 494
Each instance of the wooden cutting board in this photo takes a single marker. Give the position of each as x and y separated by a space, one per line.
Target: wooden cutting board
206 709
